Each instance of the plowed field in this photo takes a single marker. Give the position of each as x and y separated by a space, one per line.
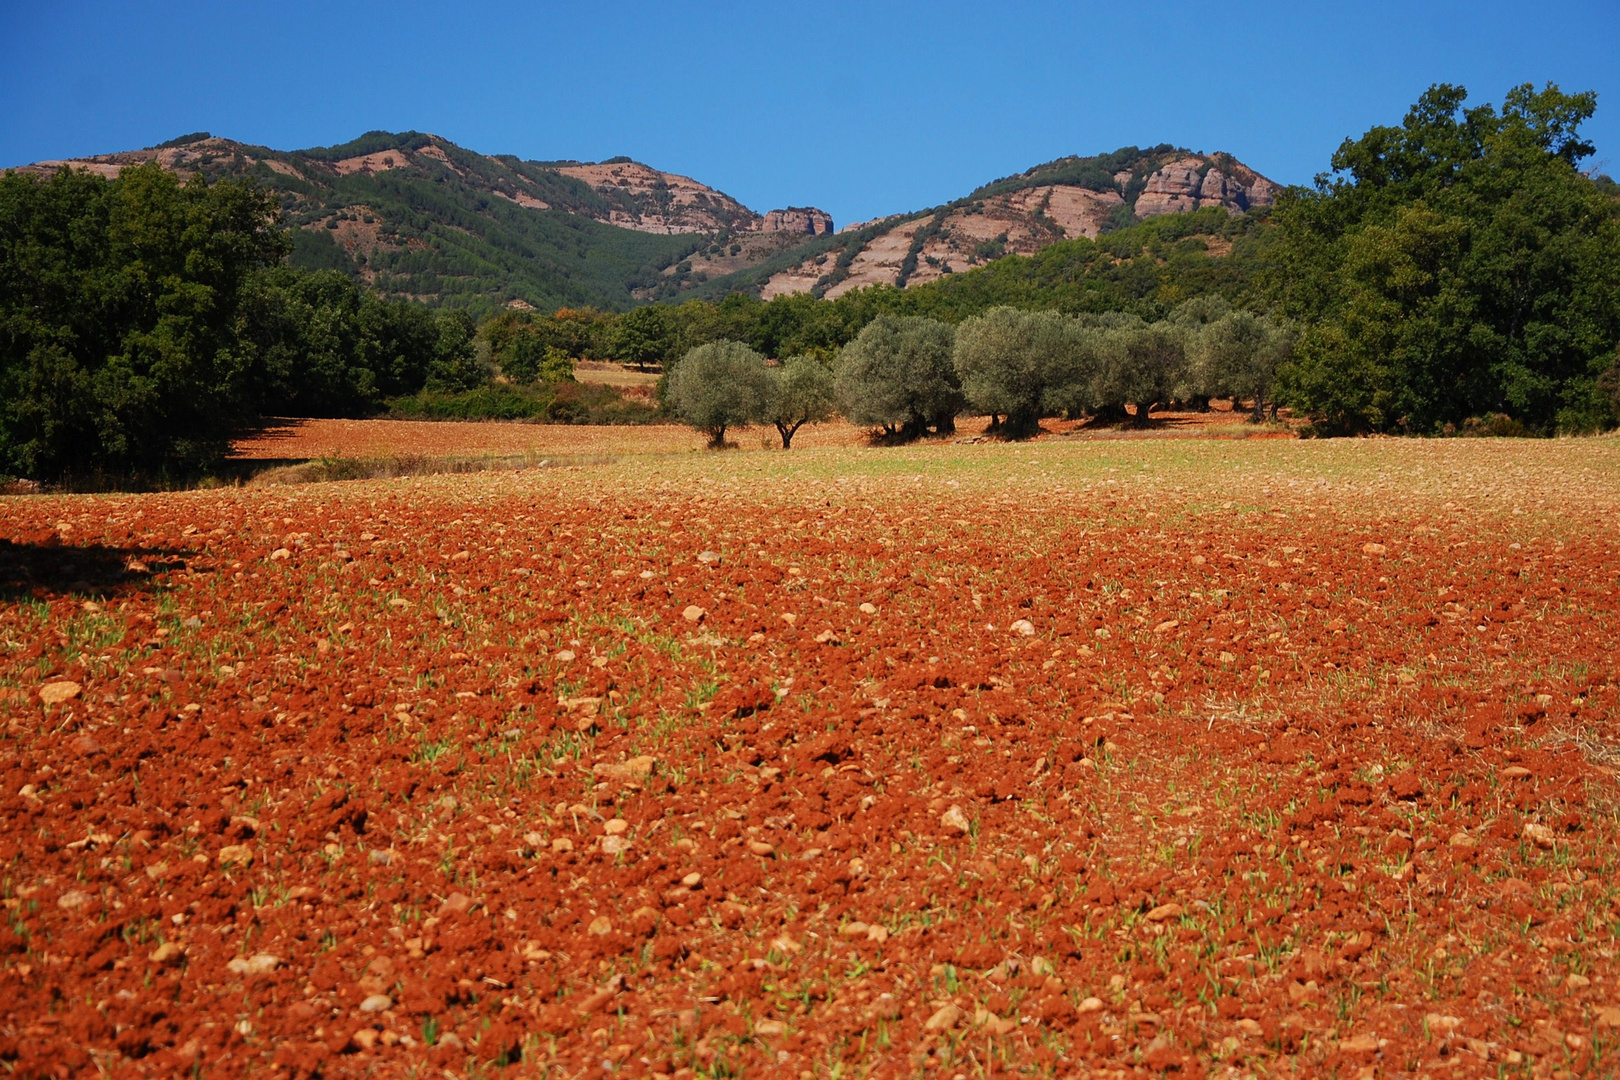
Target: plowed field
1125 758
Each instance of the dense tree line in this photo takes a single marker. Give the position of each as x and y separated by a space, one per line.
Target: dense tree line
1457 265
144 322
1457 268
910 376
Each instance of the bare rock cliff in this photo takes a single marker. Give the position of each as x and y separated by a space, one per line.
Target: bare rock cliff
798 219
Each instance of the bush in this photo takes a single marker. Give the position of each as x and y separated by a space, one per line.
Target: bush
899 374
557 403
718 386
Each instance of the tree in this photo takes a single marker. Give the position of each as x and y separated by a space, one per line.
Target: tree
718 386
1238 356
1141 364
1020 365
1454 266
120 308
899 374
801 393
641 336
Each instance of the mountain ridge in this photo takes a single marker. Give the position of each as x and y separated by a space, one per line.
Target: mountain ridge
413 214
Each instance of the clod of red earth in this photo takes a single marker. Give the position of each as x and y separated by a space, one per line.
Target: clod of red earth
1245 796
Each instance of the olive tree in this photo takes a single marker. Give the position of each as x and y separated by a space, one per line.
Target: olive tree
1239 354
717 386
1142 365
801 393
1019 366
898 374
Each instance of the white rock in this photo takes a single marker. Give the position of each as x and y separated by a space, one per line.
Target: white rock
953 819
259 964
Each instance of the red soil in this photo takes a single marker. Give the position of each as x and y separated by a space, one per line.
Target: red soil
466 771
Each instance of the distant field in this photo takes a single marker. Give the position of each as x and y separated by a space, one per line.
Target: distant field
301 439
1112 756
614 375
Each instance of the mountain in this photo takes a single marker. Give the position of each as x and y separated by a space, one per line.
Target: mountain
1062 199
416 215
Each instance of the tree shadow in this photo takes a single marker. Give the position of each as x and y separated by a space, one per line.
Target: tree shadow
93 571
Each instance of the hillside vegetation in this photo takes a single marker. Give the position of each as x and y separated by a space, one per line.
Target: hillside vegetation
415 216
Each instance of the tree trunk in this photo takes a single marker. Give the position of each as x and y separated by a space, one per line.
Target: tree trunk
717 438
787 431
1143 411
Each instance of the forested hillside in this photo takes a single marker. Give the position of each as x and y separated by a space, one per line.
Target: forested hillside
415 216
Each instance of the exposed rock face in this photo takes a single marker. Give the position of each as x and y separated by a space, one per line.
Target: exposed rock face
663 202
798 219
913 250
1192 182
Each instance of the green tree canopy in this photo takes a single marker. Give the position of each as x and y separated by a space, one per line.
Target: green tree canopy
1238 356
801 393
120 352
718 386
1456 265
899 374
1021 365
641 336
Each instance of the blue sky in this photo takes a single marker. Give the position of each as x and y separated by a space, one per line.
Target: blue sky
862 108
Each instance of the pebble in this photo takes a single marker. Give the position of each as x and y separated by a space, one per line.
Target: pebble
613 845
55 693
944 1019
693 613
601 925
260 964
1023 627
376 1003
759 847
956 821
708 557
167 953
868 609
634 771
1163 912
1539 835
240 854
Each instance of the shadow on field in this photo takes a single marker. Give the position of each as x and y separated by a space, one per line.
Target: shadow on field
50 568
